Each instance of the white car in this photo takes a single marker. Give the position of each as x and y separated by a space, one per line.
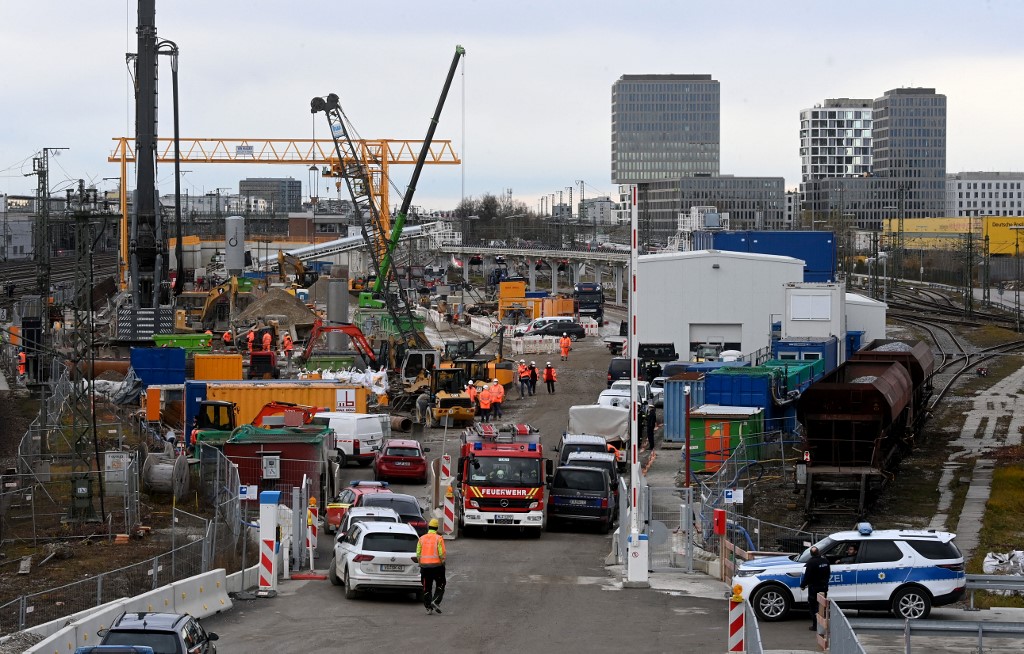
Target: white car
658 390
906 572
358 514
376 556
643 389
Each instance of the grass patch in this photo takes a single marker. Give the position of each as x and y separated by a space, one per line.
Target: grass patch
998 368
1002 529
990 335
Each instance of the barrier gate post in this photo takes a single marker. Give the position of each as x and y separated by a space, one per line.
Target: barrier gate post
736 624
268 543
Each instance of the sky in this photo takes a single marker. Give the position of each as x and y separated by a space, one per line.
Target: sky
530 109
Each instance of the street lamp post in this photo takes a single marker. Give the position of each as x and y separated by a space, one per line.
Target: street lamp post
1016 285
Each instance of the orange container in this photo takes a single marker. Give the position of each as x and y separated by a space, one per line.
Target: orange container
153 404
218 366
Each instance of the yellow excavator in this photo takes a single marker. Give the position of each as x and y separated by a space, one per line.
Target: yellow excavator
304 278
461 353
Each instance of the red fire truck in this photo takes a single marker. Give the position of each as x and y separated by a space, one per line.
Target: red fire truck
501 477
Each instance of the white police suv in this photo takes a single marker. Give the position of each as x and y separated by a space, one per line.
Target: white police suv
905 572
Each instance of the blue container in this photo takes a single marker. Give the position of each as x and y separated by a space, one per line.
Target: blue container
816 249
536 294
158 365
804 349
674 406
854 341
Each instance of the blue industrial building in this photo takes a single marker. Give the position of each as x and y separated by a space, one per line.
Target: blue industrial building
816 249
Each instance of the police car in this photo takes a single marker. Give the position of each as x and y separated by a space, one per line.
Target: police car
905 572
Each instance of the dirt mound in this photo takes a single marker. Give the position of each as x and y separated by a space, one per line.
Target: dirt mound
277 302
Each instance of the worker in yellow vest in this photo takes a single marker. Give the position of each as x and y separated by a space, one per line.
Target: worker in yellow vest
431 556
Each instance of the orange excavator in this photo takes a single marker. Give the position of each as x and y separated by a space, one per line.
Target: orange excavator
352 331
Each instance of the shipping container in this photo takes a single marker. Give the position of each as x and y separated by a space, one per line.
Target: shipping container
557 306
715 431
218 366
189 342
675 367
675 403
772 387
797 348
165 403
816 249
251 396
158 365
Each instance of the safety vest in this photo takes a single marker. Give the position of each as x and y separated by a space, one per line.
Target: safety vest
497 393
471 392
524 372
486 398
22 359
430 550
287 342
266 341
227 338
565 343
549 374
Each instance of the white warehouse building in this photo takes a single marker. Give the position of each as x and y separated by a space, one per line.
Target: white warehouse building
706 296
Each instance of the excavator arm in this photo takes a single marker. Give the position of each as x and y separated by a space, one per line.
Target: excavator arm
352 331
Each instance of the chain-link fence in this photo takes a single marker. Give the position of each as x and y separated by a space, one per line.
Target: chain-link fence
198 544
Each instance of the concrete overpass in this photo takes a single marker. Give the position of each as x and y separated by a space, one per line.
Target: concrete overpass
599 261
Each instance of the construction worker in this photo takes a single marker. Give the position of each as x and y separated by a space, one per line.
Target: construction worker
267 341
497 397
251 339
533 377
431 555
565 344
550 377
471 392
423 407
486 399
22 363
523 374
288 345
228 337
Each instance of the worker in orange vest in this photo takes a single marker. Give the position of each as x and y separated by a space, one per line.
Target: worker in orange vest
471 392
486 399
22 363
550 377
267 341
565 344
431 555
227 338
523 375
497 397
251 339
288 345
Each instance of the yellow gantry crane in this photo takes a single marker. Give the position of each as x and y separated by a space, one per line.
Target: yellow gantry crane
376 155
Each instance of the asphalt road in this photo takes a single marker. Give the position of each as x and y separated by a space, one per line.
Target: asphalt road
506 591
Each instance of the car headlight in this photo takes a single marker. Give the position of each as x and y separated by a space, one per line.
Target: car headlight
474 504
748 572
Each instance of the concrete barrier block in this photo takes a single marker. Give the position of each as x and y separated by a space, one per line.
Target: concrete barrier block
63 641
203 595
160 600
243 579
86 629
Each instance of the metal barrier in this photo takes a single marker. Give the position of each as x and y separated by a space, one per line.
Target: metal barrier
943 629
993 582
840 638
752 631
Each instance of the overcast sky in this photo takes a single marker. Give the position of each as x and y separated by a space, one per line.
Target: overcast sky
536 80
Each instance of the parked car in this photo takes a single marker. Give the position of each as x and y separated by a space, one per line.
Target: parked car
581 494
376 556
572 443
357 436
114 649
406 506
620 397
643 389
906 572
618 368
602 461
537 323
658 391
574 330
401 458
166 633
359 514
346 499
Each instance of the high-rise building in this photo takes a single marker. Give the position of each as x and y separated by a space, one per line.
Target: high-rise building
984 194
835 139
906 149
664 127
751 202
283 194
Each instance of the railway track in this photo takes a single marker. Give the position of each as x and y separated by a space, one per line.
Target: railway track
62 272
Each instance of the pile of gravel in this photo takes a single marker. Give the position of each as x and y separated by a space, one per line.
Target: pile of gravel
866 379
277 302
18 642
894 347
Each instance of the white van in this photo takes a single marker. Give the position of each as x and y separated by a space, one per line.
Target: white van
357 436
537 323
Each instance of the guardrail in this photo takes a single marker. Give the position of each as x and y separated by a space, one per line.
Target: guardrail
942 629
993 582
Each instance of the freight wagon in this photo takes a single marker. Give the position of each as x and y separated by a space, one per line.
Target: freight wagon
858 422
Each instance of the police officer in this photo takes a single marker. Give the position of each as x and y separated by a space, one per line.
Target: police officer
431 555
816 574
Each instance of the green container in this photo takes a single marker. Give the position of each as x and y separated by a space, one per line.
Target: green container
797 372
715 431
245 284
331 362
191 343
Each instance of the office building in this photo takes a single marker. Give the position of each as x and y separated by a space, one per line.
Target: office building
751 202
984 194
835 139
281 194
664 127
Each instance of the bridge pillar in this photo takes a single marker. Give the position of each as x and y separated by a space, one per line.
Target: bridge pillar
580 270
553 264
531 267
617 275
598 272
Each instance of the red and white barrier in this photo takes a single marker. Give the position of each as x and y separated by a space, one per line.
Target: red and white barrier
448 528
268 541
446 467
736 628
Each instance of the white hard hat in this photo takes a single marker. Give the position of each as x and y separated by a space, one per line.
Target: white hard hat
533 363
495 380
522 361
549 363
469 382
564 334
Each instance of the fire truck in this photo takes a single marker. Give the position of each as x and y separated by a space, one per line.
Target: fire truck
501 476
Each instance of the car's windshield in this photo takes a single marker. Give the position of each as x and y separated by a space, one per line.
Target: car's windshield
401 505
823 546
389 542
401 451
161 642
505 471
371 518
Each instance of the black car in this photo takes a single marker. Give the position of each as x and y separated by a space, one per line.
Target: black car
574 330
406 506
581 494
166 633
